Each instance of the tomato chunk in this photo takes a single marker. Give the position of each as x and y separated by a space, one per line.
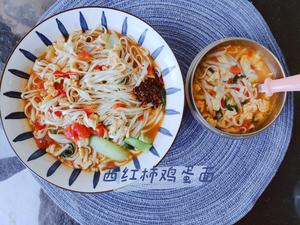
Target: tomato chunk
247 124
235 70
99 67
43 142
236 88
64 74
81 130
150 70
38 126
223 103
77 131
119 105
99 130
84 55
60 89
57 113
38 83
89 110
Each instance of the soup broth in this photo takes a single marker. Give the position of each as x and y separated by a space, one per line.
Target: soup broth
225 89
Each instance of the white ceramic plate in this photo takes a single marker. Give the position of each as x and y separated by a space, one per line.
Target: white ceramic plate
15 78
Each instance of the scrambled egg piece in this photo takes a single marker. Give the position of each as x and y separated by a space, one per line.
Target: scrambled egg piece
263 105
201 105
250 107
212 121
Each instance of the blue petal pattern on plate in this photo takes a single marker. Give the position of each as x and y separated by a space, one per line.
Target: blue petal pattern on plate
23 136
19 73
37 154
44 39
172 112
156 52
167 70
83 24
104 21
96 179
116 169
124 27
62 29
165 131
172 90
13 94
28 55
142 37
136 163
74 176
15 115
53 168
154 151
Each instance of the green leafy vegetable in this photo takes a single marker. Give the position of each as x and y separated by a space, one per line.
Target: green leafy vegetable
128 146
244 102
138 144
236 77
229 106
69 151
254 120
227 99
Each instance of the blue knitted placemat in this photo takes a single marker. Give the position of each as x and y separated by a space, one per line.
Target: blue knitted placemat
242 168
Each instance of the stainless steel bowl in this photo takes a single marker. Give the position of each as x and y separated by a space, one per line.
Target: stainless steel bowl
268 57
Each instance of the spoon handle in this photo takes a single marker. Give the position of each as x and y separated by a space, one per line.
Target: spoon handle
291 83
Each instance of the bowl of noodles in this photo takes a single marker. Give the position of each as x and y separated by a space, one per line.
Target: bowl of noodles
222 87
91 90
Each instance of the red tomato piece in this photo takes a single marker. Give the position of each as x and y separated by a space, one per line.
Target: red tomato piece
64 74
84 55
247 124
60 89
99 130
43 142
150 70
119 105
39 83
235 88
230 81
89 110
223 103
38 126
99 67
81 130
58 113
235 70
